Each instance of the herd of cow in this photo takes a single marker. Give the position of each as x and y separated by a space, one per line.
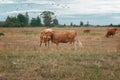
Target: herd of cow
66 36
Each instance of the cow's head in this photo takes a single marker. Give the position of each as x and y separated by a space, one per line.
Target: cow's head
49 34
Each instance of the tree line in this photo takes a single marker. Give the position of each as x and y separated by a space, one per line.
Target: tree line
23 20
49 20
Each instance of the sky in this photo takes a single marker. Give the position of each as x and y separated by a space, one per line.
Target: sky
97 12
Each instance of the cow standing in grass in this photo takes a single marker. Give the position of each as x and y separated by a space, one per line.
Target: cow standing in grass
86 31
111 32
62 37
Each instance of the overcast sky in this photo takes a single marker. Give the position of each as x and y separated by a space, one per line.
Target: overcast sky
94 11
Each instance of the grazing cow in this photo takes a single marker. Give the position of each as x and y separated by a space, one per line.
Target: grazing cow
2 34
111 32
62 37
44 38
86 31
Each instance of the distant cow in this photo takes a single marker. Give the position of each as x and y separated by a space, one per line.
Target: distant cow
44 38
111 32
62 37
2 34
86 31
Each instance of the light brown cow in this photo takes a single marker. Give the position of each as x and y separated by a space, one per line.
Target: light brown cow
44 38
111 32
62 37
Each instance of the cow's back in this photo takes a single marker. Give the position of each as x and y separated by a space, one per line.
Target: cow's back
64 36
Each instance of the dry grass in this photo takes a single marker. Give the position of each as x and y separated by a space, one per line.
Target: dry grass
21 58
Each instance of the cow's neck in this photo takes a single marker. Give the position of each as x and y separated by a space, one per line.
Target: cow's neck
53 38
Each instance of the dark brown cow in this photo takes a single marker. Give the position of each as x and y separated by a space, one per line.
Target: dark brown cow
111 32
2 34
86 31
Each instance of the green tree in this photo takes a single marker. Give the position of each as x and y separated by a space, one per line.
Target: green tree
71 24
47 18
11 22
87 23
36 21
27 19
19 21
64 25
33 22
55 22
81 23
2 23
22 19
111 25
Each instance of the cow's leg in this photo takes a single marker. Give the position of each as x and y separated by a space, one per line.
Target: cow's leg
57 44
45 43
48 42
78 42
75 44
40 43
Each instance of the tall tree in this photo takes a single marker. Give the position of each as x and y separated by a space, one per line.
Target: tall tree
27 18
38 21
81 23
47 17
22 19
111 25
71 24
64 25
87 23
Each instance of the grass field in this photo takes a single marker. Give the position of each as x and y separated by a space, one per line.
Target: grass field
21 58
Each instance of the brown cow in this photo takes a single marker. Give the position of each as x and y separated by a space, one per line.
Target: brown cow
111 32
62 37
44 38
86 31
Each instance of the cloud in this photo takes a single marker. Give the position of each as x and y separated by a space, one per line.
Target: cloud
6 1
94 6
74 6
25 1
22 11
116 17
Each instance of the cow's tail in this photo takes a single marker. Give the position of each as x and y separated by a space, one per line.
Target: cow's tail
78 42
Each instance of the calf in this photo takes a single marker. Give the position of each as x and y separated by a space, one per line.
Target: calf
44 38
